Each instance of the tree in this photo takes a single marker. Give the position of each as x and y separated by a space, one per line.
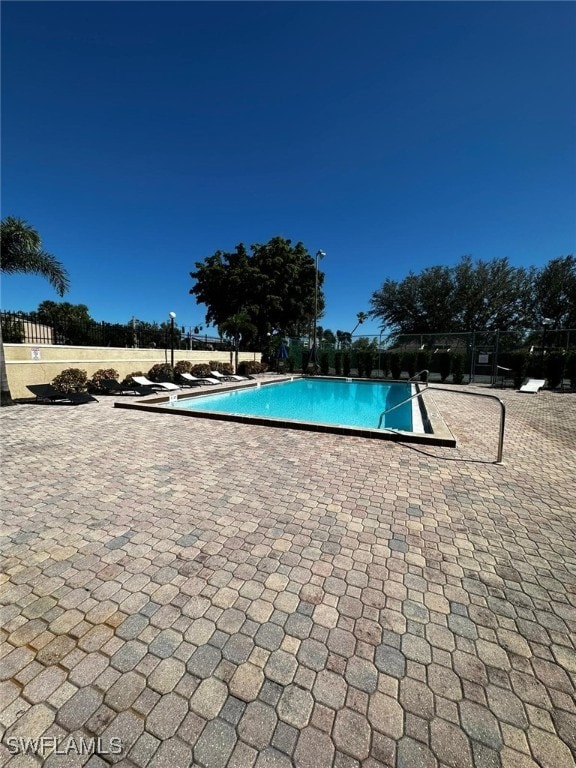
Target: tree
21 252
235 327
482 295
555 293
328 336
274 285
71 322
344 338
54 313
361 317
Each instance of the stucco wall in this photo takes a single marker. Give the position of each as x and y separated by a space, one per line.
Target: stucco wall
34 364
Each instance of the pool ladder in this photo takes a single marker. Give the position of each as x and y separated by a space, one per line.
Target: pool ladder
457 392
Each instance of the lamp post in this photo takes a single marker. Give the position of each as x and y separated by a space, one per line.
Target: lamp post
172 316
546 321
319 255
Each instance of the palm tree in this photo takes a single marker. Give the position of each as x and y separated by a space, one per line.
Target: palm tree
361 317
21 252
236 327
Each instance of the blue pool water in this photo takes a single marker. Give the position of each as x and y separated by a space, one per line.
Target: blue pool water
321 401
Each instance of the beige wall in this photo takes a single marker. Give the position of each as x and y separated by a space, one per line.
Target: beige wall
39 364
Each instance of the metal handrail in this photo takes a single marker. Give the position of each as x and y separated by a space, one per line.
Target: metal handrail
460 392
424 370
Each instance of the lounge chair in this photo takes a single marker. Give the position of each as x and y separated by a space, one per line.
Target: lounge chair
46 393
227 376
532 385
191 380
142 381
114 387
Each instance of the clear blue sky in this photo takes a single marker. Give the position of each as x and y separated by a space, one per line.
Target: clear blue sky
141 137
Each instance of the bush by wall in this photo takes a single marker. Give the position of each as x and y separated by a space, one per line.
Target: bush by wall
555 369
384 362
457 369
182 366
422 360
71 380
250 367
305 360
570 371
368 362
338 363
215 365
161 372
409 363
443 364
200 369
94 384
324 363
346 363
127 382
518 362
395 366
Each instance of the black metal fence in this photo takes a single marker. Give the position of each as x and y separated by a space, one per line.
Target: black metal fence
482 356
21 328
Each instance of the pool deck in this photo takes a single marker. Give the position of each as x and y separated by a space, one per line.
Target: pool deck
227 595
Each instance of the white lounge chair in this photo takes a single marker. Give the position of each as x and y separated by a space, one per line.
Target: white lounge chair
164 385
227 376
195 380
532 385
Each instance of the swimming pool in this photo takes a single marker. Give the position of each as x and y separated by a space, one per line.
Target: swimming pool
333 402
353 405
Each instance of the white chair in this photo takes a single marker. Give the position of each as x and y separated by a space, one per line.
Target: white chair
163 385
532 385
195 380
228 376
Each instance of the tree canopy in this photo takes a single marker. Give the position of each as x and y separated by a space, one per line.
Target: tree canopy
21 251
272 286
480 295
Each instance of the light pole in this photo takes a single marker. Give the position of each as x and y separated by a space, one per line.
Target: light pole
319 255
546 321
172 316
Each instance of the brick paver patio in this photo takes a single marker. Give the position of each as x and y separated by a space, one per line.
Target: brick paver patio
223 595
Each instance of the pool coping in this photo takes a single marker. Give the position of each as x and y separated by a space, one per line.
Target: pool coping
440 434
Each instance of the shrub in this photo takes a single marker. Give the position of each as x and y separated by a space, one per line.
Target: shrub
324 363
457 369
215 365
161 372
291 364
250 367
519 365
200 369
99 376
71 380
422 360
359 363
444 363
409 363
555 369
368 362
383 361
305 360
338 363
571 369
127 381
395 366
182 366
346 363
